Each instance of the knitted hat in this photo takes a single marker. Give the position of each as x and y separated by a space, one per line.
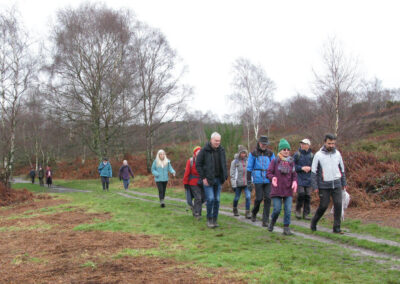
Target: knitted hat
195 149
283 144
242 149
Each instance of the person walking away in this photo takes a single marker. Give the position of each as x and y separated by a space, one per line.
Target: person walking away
238 172
32 174
192 183
105 172
125 172
49 176
41 176
282 173
160 169
329 179
303 160
211 166
257 167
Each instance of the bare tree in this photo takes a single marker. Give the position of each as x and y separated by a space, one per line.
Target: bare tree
253 91
340 76
92 72
159 76
17 72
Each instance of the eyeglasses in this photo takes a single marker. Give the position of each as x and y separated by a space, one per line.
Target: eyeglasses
286 149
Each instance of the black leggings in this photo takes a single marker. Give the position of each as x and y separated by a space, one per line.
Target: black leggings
162 188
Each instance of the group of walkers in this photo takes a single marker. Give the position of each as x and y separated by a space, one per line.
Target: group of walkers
41 173
275 178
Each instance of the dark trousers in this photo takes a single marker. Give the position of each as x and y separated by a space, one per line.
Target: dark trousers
105 181
303 199
162 188
41 182
324 195
49 181
196 192
263 191
33 179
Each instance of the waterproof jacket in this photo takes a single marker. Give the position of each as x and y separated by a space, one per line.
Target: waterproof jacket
124 172
303 158
41 173
161 173
191 176
238 171
105 170
205 164
327 170
257 165
32 173
285 179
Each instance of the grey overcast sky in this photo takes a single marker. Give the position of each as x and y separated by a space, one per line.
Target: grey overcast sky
285 37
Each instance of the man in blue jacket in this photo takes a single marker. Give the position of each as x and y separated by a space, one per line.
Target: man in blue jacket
257 166
105 172
303 161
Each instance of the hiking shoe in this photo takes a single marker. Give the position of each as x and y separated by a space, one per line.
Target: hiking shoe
313 227
286 231
210 223
338 232
265 224
298 214
248 215
253 218
235 211
215 223
271 227
307 217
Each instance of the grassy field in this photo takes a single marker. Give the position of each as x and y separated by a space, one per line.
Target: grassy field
245 251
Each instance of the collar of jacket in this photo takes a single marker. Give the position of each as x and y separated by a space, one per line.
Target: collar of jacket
208 147
325 151
304 152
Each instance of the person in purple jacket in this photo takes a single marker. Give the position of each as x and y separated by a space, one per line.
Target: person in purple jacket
124 173
282 173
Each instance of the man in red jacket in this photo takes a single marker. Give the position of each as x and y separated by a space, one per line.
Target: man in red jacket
191 180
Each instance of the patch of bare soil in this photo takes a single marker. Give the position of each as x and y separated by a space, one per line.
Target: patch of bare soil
57 254
31 205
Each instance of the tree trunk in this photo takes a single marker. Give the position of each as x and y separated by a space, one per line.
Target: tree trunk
337 113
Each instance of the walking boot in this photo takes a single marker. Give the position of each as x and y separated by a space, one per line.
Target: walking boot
210 223
235 211
271 226
265 223
215 222
313 226
286 231
307 217
253 217
162 204
298 214
248 215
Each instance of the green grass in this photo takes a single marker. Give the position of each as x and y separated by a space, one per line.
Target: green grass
244 250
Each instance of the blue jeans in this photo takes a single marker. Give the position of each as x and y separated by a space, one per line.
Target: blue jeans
238 192
126 183
213 197
277 201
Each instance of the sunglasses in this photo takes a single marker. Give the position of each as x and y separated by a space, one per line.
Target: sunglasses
286 149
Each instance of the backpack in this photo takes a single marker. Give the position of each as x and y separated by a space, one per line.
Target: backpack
296 156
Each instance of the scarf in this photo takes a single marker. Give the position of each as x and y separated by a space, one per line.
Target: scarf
284 164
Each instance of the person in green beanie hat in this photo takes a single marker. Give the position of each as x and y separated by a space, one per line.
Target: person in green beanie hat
282 173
